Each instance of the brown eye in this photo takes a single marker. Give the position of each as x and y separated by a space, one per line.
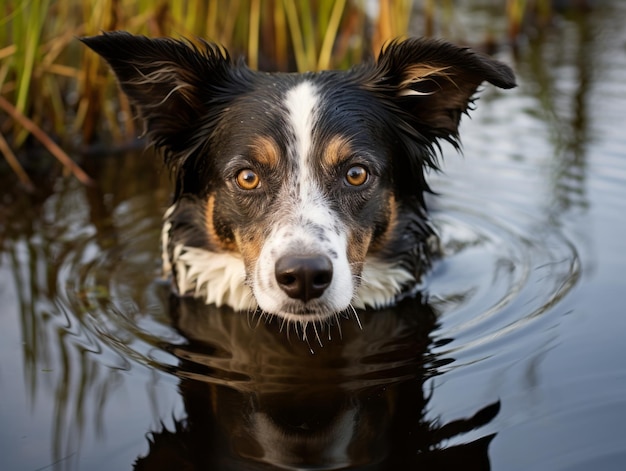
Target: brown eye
357 175
248 179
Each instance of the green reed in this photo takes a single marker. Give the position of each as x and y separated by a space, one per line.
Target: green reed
51 86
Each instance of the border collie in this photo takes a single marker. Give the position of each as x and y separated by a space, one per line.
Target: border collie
298 195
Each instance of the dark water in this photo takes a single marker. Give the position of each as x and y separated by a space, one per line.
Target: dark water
514 358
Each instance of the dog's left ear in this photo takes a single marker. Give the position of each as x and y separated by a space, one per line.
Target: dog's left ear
434 82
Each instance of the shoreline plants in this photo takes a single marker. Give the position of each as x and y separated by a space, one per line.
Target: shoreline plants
53 90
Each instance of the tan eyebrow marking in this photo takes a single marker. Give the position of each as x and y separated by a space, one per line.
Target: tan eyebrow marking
265 151
337 150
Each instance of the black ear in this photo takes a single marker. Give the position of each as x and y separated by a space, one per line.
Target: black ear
175 86
434 82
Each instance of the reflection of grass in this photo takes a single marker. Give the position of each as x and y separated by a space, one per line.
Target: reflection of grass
48 244
47 78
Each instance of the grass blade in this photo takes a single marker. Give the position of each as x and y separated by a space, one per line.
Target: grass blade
48 143
331 34
9 156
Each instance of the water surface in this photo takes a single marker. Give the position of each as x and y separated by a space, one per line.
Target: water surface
512 359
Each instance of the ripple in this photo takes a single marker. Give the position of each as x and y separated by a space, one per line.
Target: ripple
109 280
496 277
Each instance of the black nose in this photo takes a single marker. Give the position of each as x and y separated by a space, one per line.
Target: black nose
304 277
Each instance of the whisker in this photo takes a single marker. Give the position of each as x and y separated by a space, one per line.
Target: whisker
356 316
297 331
282 325
360 280
250 314
261 315
305 337
288 330
339 325
317 335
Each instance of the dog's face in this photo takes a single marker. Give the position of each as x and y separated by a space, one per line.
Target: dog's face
301 201
301 194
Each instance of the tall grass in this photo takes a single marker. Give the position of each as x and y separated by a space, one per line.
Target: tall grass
51 86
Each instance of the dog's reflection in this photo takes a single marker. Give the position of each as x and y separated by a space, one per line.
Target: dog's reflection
349 395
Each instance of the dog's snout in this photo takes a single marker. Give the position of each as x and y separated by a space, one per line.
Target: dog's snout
304 277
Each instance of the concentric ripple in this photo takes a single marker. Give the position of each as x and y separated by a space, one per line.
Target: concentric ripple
110 281
496 279
492 283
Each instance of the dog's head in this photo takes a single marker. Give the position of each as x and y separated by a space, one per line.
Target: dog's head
299 193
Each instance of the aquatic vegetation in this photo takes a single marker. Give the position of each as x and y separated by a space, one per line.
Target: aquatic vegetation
63 91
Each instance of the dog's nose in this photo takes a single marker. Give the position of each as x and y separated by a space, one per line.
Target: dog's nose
304 277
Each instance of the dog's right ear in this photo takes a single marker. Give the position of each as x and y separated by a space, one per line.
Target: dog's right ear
175 86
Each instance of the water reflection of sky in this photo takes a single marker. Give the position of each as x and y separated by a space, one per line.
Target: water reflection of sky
565 165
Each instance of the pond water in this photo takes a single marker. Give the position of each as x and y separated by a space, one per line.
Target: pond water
514 358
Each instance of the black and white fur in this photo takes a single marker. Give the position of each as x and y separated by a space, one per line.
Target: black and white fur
298 195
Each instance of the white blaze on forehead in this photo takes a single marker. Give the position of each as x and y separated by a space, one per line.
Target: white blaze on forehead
301 103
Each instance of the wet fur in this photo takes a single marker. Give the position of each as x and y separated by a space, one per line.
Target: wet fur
301 134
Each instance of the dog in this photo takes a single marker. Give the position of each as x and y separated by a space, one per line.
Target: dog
299 196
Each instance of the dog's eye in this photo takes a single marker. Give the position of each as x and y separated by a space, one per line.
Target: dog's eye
248 179
357 175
